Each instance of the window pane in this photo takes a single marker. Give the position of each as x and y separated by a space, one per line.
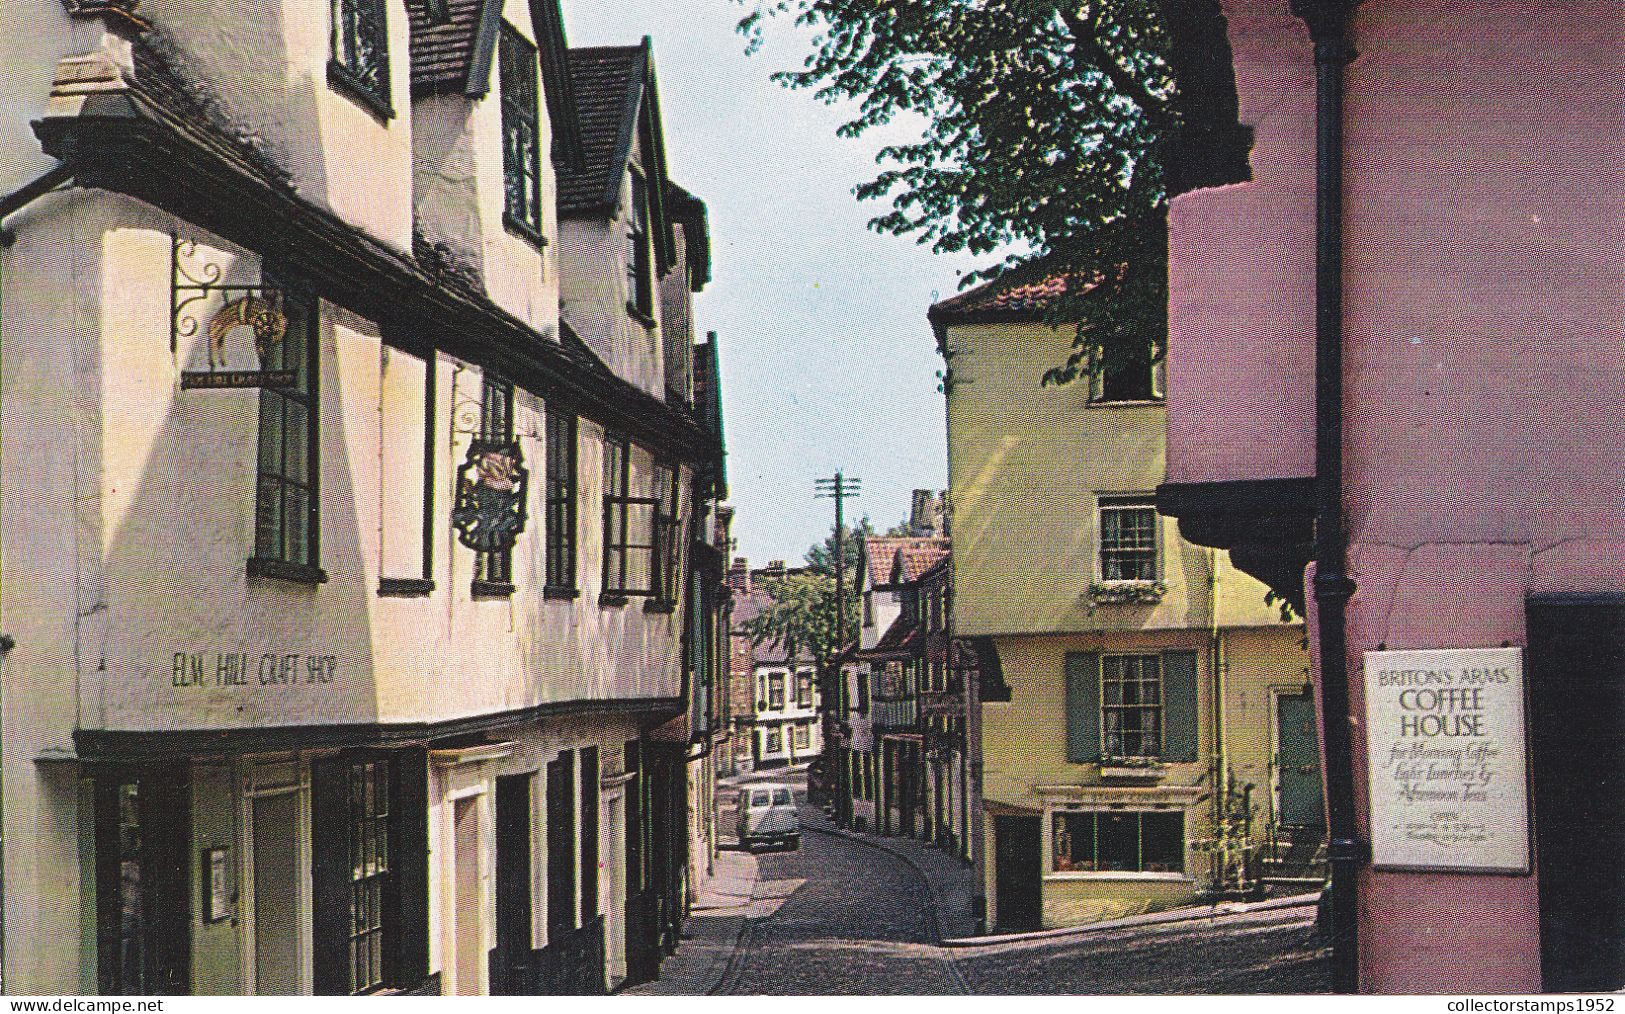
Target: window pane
296 522
271 434
1163 842
1074 842
1119 844
296 443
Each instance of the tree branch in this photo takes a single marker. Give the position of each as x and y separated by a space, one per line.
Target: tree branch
1094 54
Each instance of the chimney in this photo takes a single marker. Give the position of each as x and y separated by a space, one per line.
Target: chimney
774 569
926 516
739 575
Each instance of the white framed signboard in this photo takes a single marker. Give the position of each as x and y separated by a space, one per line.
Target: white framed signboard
1447 765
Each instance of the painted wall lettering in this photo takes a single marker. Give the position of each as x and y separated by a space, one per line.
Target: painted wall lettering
220 669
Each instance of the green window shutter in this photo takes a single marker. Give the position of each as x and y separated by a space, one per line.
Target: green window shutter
410 886
1082 707
330 877
1179 712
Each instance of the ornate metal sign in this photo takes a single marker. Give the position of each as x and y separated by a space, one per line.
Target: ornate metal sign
201 302
490 510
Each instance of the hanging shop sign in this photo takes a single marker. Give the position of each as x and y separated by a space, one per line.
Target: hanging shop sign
1447 765
489 512
245 326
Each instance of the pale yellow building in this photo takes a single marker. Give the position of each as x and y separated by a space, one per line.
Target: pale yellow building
1146 684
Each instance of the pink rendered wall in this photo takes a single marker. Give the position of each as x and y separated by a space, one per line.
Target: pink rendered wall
1241 358
1485 361
1484 318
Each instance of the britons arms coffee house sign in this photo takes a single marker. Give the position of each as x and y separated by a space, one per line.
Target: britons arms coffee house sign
1448 770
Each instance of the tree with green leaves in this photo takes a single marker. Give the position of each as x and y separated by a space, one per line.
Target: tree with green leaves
1041 129
800 617
821 557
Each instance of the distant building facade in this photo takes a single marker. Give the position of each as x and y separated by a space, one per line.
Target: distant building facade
776 698
908 762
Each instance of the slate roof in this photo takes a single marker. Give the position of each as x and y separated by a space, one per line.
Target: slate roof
747 606
880 552
1020 294
447 55
608 81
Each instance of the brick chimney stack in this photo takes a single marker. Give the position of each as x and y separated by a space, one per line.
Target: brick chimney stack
774 569
739 575
927 514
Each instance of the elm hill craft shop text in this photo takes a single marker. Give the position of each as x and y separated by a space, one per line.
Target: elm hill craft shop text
247 668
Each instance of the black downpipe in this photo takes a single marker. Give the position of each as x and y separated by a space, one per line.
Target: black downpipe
1328 27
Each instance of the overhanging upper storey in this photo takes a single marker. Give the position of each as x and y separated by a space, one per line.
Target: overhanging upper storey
137 132
1241 286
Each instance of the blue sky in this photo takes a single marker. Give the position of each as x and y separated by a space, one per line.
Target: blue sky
827 359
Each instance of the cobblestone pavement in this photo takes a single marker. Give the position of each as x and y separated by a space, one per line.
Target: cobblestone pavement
837 916
843 916
1260 952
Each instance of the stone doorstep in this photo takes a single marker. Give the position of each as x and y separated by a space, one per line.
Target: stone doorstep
1149 919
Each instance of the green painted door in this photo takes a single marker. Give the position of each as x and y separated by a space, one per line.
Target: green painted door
1297 762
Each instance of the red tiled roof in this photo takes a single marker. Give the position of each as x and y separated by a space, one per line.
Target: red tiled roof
880 552
913 561
1021 293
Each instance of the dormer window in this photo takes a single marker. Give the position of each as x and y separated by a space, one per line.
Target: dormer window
360 63
640 290
521 135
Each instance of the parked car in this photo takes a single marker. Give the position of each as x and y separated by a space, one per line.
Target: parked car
767 815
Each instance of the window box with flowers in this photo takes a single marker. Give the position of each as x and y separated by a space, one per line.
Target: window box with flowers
1127 592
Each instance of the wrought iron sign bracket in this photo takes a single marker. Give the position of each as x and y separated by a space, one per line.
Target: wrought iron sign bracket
201 302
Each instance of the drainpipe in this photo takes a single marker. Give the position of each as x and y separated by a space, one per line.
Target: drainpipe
1328 27
1221 748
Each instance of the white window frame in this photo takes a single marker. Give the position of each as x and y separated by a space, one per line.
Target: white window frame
1047 834
1124 503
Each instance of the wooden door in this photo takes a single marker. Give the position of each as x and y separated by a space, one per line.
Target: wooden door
466 922
1016 858
1297 763
1575 675
276 894
510 970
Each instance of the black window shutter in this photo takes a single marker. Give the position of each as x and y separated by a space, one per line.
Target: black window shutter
411 856
1179 711
1082 707
330 877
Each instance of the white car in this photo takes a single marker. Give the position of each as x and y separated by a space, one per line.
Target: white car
767 815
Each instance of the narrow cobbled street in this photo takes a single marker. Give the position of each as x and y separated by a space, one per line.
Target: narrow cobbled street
844 915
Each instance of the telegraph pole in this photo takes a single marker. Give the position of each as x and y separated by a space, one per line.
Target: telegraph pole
837 488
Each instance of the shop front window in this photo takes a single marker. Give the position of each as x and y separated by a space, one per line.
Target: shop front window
1119 842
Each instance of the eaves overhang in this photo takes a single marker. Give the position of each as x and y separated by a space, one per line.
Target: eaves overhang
120 140
125 745
1267 525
